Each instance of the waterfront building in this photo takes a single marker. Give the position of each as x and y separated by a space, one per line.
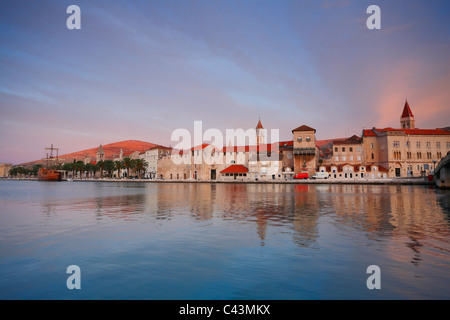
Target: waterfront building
304 149
286 157
4 169
407 151
348 151
152 156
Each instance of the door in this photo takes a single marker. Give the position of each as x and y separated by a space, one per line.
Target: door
397 172
213 174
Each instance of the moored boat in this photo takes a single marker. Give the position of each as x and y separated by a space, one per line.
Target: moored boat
45 174
48 173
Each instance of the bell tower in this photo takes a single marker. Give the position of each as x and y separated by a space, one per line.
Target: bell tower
407 119
100 154
259 133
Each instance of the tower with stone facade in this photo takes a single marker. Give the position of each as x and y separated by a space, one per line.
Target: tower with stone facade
100 154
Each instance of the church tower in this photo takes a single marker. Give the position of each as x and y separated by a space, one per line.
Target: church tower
407 119
100 154
259 133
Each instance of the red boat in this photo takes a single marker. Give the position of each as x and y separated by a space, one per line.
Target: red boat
47 173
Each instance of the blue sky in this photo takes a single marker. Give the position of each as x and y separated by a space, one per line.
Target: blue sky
141 69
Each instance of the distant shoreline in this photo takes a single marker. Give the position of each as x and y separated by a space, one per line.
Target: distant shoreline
386 181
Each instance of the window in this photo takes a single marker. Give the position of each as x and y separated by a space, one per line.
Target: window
359 158
344 158
351 158
438 145
396 144
337 158
371 145
336 149
373 156
308 139
428 155
351 149
418 144
448 144
299 139
419 155
439 155
343 149
408 155
428 145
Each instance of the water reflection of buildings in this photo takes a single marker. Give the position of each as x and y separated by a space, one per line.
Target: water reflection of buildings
408 216
279 205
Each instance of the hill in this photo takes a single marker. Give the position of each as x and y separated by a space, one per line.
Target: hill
111 151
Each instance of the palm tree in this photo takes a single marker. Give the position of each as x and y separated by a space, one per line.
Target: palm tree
118 164
35 169
89 167
140 164
109 167
128 164
79 166
101 166
68 167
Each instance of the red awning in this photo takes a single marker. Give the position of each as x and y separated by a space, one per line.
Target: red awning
235 168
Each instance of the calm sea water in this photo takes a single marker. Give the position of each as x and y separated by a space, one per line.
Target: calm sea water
222 241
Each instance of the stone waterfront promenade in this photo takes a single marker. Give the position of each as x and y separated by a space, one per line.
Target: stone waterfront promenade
384 181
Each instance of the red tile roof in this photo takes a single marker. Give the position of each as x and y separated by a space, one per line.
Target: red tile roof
407 111
200 147
235 168
424 132
304 128
259 125
352 140
254 148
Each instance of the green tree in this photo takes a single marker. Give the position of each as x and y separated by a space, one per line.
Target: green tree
101 167
118 164
79 167
35 169
109 167
128 165
70 166
13 172
90 169
140 165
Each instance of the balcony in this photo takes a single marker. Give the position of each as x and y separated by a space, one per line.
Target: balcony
304 151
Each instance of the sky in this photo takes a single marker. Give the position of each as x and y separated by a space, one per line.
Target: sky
138 70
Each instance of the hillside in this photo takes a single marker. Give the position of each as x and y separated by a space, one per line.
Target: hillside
111 150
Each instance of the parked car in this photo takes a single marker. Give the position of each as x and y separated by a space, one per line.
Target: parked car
320 175
301 175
